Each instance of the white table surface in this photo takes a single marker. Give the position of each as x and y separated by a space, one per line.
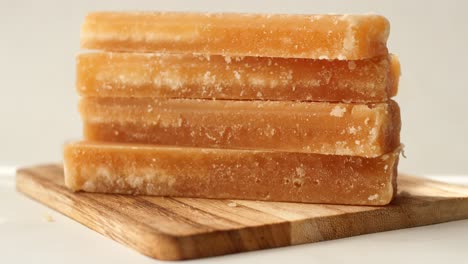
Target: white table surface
33 233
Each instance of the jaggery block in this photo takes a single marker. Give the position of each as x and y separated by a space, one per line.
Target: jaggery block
230 174
311 127
241 78
343 37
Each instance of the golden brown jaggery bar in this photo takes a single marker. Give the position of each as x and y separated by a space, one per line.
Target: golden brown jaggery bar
240 78
311 127
343 37
230 174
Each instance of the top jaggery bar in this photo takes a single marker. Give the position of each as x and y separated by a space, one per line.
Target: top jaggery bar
342 37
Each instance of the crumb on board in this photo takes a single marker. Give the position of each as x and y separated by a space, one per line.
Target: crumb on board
232 204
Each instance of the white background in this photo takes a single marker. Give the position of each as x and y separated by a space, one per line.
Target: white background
39 40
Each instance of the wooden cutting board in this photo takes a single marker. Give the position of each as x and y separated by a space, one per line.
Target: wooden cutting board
185 228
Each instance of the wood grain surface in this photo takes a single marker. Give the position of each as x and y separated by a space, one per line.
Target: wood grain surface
186 228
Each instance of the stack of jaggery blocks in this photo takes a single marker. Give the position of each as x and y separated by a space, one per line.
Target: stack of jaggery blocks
290 108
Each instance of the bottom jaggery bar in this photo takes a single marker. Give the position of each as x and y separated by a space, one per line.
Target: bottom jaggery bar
230 174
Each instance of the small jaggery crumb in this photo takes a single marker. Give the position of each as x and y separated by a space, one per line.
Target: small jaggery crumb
232 204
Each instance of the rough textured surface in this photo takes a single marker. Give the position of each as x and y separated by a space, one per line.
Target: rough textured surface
185 228
312 127
245 78
343 37
234 174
